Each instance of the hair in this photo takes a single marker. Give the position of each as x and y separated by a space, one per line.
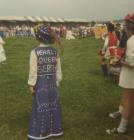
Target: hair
130 26
110 27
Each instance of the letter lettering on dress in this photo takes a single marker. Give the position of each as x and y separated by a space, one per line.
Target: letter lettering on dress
40 60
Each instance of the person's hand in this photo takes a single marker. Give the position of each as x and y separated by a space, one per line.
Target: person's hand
131 66
31 88
124 63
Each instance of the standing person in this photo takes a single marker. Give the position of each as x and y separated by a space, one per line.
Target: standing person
111 41
44 76
69 34
124 38
122 45
127 78
117 31
2 51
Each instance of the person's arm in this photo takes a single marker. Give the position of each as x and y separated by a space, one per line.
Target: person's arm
118 42
58 71
129 60
1 41
126 64
32 71
105 45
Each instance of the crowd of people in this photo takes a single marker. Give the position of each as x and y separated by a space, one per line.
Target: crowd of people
66 31
45 73
16 31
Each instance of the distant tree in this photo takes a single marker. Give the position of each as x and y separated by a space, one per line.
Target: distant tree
93 23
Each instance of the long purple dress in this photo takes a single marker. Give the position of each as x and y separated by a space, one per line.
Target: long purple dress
46 110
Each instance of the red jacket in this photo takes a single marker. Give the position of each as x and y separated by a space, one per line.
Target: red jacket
113 40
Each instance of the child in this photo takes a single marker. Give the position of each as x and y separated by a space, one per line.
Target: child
111 41
2 51
44 76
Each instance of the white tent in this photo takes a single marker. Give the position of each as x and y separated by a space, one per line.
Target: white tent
60 20
76 20
29 18
52 19
19 18
38 19
45 19
41 19
6 18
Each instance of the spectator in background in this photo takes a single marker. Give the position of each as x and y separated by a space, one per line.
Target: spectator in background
111 40
124 38
69 34
117 31
2 51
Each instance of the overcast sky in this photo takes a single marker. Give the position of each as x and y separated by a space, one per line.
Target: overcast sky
89 9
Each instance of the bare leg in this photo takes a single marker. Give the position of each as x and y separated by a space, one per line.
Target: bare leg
117 113
127 100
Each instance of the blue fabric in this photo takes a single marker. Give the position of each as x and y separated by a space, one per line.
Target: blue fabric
43 34
46 108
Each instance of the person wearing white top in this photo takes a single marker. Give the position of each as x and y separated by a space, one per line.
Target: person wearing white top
2 51
69 35
126 80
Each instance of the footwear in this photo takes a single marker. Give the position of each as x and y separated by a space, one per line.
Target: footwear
3 63
115 115
115 131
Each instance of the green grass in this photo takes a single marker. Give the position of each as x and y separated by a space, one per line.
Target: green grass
87 97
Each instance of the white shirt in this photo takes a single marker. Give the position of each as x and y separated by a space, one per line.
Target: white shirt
1 41
33 68
130 50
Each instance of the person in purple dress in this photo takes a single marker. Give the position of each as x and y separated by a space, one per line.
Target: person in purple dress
44 76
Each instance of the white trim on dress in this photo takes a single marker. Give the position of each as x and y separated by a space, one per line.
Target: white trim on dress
51 135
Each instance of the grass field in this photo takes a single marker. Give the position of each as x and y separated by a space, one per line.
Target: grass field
87 97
